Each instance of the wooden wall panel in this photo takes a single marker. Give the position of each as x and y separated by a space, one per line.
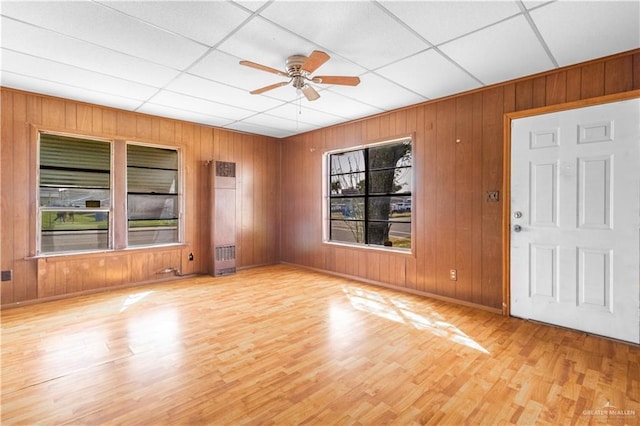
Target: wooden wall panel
524 95
455 226
314 147
464 162
84 118
244 203
259 215
539 92
574 84
592 81
635 71
493 109
201 245
109 123
445 196
477 199
556 88
426 189
618 75
406 121
7 207
189 136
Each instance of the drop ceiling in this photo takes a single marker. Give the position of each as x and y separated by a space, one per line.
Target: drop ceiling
181 59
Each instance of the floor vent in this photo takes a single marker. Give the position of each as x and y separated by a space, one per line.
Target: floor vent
225 253
225 260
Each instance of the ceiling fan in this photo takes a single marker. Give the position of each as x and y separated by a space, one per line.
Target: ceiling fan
299 70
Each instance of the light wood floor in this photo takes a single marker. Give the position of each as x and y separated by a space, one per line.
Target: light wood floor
280 345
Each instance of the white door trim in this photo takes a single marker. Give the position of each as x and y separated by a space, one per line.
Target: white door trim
506 173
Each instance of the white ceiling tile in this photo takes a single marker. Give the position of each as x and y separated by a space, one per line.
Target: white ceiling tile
380 92
440 21
429 74
207 22
502 52
190 103
44 69
598 28
280 123
96 24
306 114
250 4
218 92
243 126
336 104
359 31
262 42
532 4
223 67
181 114
52 88
60 48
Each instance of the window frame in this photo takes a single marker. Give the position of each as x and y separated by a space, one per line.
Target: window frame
40 209
365 196
179 194
117 233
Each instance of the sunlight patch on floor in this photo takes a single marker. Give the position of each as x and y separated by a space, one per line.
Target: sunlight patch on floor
159 330
398 310
133 299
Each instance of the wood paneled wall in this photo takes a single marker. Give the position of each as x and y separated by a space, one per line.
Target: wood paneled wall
458 149
258 200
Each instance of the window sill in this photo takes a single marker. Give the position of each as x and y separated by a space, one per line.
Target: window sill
369 248
102 253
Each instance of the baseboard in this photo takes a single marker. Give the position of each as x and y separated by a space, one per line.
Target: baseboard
92 291
401 289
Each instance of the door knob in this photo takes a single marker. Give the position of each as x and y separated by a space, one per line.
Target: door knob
517 214
517 228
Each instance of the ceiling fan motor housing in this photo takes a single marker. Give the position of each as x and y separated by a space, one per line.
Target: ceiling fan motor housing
294 64
294 68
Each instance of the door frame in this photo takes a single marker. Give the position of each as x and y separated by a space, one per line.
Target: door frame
506 173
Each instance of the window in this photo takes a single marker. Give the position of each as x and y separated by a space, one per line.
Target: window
81 193
74 194
369 198
152 195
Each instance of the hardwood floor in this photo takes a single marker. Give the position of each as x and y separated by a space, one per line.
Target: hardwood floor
281 345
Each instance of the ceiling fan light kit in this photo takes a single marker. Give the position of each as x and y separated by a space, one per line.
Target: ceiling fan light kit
299 68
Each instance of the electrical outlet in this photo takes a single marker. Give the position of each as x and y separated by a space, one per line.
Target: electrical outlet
453 274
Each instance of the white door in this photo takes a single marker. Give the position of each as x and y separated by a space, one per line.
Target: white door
575 219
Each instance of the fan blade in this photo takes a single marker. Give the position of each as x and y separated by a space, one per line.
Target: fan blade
314 61
337 79
263 68
269 87
310 93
